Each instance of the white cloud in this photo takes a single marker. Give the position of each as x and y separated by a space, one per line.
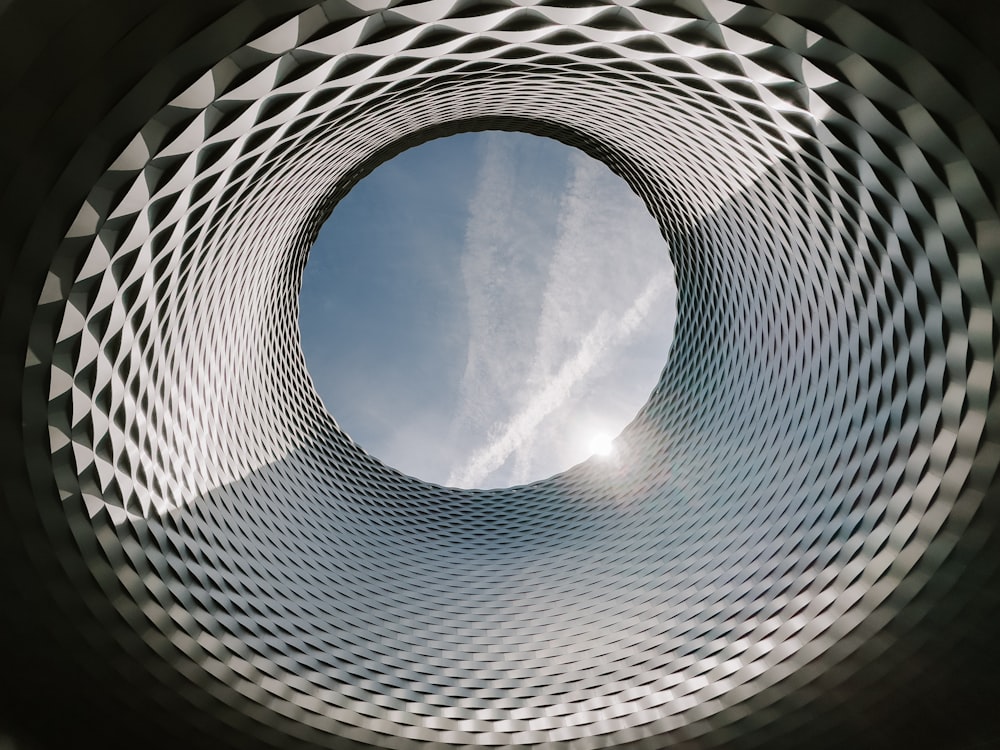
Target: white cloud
595 345
574 311
498 288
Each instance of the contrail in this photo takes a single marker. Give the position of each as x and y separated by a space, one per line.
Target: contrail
593 347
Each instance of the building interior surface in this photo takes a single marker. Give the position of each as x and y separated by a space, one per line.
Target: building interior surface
800 545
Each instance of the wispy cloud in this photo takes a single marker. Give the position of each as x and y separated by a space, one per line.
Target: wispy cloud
588 294
595 345
483 258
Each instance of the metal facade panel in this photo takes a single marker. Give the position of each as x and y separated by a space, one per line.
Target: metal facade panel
799 530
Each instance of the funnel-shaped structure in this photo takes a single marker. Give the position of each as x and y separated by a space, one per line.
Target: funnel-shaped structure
797 545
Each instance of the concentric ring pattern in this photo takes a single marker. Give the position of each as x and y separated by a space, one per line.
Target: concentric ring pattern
802 504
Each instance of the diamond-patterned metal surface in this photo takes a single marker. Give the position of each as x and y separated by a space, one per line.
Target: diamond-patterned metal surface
802 505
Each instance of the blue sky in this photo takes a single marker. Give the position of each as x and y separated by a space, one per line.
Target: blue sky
479 308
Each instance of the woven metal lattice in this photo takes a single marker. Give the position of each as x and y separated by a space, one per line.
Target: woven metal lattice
816 445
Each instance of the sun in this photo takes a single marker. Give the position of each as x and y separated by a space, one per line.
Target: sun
602 444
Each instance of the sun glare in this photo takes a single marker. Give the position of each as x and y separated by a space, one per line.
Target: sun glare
601 444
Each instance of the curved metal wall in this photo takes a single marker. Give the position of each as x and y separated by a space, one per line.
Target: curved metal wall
798 542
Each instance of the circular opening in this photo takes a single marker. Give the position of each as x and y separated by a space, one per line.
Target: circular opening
487 309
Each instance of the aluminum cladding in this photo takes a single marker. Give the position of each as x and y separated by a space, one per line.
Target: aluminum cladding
806 483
